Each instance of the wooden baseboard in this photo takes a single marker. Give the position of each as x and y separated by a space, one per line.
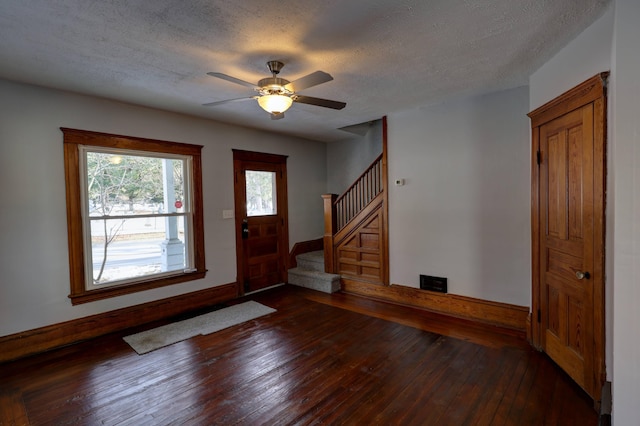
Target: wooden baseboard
41 339
485 311
304 247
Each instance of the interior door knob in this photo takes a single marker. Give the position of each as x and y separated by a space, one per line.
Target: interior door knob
583 275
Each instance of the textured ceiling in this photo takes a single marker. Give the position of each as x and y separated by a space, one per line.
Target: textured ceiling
384 55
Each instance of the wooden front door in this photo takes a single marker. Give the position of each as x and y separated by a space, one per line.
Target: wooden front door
568 232
260 186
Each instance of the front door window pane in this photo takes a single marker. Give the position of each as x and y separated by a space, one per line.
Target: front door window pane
261 193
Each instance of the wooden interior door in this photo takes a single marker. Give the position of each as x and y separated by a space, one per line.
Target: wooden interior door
569 290
260 187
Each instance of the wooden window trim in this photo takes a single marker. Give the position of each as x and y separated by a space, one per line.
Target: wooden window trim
73 138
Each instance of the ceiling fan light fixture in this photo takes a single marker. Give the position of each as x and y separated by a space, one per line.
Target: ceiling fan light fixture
275 104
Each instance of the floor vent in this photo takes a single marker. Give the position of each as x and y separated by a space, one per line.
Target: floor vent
439 284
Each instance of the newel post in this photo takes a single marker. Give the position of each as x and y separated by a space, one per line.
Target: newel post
330 225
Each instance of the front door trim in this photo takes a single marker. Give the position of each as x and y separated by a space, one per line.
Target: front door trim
590 91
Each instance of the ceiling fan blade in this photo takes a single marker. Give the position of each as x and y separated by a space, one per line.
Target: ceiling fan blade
277 116
310 80
318 102
233 80
229 101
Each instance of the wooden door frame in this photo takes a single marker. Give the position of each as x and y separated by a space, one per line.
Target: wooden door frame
590 91
240 156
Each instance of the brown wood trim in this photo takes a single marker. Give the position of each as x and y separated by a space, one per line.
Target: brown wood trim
330 225
261 157
86 137
121 290
42 339
484 311
580 95
384 243
599 191
304 247
536 341
283 200
72 139
74 219
198 215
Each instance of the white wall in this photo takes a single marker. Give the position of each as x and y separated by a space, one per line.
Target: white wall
587 55
347 159
34 281
463 212
624 172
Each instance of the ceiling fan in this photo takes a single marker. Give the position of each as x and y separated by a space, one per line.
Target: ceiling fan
277 94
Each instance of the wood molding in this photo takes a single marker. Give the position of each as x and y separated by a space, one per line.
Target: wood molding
42 339
582 94
304 247
262 157
330 226
484 311
384 242
536 339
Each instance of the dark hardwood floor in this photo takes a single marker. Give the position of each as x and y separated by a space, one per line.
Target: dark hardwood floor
320 359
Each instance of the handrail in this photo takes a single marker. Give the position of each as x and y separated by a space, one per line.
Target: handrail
365 188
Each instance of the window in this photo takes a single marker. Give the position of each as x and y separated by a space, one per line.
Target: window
260 190
134 214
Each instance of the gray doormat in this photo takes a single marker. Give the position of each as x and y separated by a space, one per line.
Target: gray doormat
169 334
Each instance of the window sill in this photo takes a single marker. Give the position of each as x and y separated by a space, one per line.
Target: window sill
121 290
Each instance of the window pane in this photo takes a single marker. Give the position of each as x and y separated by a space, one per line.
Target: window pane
119 184
123 249
126 186
261 193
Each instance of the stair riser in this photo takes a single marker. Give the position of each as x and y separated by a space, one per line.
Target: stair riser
325 285
311 265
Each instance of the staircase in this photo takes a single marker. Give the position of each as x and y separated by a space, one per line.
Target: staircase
355 236
310 273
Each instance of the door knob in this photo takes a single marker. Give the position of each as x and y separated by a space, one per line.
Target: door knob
582 275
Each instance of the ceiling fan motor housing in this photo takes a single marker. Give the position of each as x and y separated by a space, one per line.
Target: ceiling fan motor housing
273 86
